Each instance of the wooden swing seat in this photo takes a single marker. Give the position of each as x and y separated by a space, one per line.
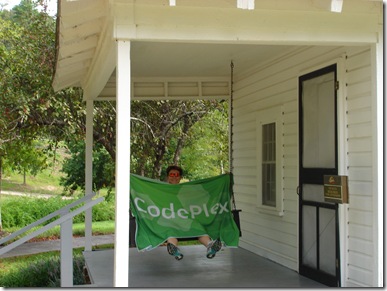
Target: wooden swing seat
132 228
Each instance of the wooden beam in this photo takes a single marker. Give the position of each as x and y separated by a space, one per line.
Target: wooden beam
104 63
180 23
82 30
75 13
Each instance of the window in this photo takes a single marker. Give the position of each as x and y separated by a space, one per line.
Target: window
268 164
269 161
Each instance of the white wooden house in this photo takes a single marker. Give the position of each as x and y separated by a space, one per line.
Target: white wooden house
305 89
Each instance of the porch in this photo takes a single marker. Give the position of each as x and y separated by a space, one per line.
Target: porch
232 267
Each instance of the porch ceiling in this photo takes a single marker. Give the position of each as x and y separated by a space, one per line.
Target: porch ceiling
82 29
172 42
151 59
161 67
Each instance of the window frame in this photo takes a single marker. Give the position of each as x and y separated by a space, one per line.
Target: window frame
264 117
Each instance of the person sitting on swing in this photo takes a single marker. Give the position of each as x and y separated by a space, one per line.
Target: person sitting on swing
174 174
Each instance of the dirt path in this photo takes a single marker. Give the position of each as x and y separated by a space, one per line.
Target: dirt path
14 193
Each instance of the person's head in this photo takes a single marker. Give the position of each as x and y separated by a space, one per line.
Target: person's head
174 174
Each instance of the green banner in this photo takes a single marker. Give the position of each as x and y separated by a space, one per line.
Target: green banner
190 209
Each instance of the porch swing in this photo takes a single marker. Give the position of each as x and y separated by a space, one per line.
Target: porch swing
234 210
148 203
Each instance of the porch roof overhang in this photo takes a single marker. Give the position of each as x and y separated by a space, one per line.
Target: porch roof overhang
188 47
184 51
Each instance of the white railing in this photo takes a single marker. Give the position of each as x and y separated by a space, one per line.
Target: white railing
66 233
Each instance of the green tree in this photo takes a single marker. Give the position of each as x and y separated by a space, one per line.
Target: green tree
74 168
206 152
30 158
30 109
27 51
191 133
160 130
26 57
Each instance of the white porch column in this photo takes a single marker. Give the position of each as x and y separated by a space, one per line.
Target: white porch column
377 53
89 171
121 244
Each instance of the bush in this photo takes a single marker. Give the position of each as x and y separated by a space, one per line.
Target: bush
22 211
18 212
43 273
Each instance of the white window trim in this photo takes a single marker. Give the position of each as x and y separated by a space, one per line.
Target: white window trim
271 115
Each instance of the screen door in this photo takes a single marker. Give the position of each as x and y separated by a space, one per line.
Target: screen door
319 246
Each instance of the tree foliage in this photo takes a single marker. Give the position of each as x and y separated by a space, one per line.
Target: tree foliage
190 133
28 104
206 152
26 60
161 129
30 108
74 168
30 158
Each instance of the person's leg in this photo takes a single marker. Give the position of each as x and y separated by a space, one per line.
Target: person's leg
213 246
172 248
173 240
204 240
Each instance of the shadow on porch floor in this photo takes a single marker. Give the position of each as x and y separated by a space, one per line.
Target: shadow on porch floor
232 267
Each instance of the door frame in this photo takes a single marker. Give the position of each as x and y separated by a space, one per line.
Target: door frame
335 67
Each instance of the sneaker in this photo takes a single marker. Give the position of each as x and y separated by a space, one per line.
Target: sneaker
213 247
174 251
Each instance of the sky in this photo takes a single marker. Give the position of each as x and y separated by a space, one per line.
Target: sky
52 5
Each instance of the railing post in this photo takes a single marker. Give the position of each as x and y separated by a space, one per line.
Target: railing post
66 233
66 253
67 208
89 171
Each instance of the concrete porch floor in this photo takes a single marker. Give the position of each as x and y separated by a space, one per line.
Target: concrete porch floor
232 267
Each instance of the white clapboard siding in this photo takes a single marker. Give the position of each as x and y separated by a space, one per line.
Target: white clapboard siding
275 83
360 188
360 252
362 278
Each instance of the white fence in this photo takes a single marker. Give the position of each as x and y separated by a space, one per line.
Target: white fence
66 233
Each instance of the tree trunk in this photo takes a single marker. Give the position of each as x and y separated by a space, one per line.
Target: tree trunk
160 152
1 181
181 140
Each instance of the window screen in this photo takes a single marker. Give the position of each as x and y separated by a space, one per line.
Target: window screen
269 164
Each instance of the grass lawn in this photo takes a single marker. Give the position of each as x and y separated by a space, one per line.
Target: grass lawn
45 182
98 228
42 183
41 270
14 264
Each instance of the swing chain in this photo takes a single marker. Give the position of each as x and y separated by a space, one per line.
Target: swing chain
231 131
231 115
